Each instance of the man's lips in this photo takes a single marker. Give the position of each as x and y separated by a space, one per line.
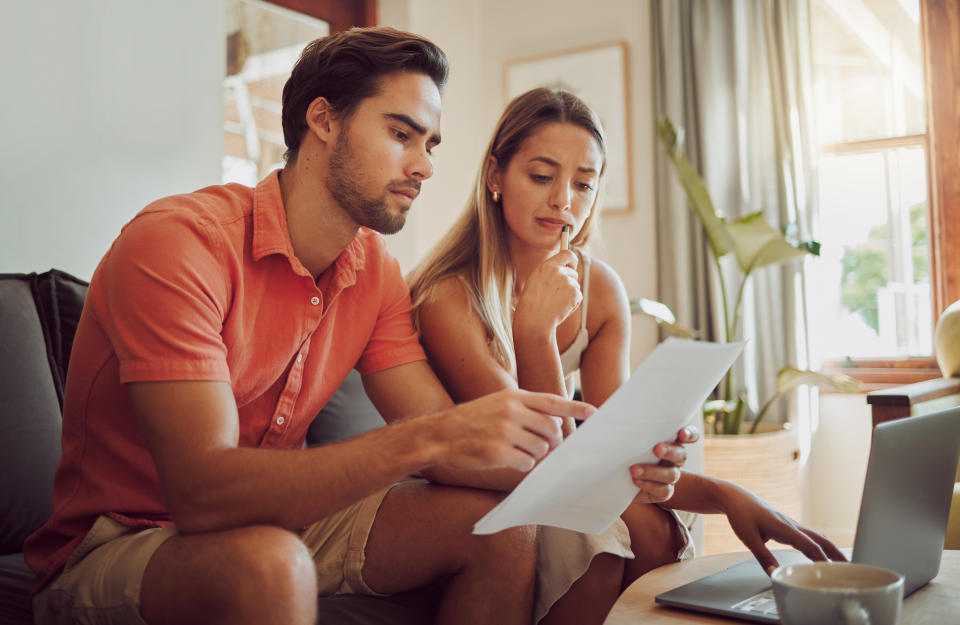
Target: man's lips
408 189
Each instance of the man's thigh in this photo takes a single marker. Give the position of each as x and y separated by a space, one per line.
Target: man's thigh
422 532
102 579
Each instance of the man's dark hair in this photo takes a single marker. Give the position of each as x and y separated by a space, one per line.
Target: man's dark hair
346 67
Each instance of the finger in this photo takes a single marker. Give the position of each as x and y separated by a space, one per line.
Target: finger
759 550
566 258
655 473
801 542
689 434
832 551
544 427
670 453
655 491
555 405
532 444
519 460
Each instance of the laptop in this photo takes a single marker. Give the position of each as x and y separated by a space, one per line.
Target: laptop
903 520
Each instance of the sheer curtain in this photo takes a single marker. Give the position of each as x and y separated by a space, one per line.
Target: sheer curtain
736 75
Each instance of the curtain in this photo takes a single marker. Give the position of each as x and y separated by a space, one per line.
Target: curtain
736 75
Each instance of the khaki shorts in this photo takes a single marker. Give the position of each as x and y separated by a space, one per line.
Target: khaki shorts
100 583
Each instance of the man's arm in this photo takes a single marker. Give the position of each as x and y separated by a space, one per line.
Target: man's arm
211 484
413 389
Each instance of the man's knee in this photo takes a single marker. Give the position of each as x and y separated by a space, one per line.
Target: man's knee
258 574
274 560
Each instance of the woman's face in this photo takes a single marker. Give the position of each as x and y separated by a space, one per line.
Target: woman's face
550 182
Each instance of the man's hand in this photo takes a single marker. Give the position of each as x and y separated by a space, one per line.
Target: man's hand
656 481
509 428
754 522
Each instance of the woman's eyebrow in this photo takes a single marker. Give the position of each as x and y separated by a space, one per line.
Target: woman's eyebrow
550 161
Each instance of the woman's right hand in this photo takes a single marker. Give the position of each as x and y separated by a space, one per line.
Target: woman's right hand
551 294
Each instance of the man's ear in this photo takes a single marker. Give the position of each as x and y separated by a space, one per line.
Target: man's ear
321 120
493 175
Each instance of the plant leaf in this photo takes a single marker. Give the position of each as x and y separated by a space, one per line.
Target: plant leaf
756 243
790 377
691 182
664 317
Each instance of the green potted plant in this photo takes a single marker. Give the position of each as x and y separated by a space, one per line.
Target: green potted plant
754 244
766 458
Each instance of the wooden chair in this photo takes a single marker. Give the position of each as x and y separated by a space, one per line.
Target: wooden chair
915 399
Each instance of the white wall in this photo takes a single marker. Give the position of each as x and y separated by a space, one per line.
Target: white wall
106 106
833 475
479 37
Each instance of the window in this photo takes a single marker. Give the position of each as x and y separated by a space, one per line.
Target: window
887 267
873 294
264 41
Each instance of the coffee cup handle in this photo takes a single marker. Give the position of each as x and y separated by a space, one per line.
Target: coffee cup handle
854 613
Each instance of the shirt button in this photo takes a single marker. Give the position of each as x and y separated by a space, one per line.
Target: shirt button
314 300
299 357
279 420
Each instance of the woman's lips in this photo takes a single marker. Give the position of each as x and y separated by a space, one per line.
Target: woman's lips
552 224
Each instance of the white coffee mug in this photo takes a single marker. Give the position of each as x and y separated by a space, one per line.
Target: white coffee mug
837 593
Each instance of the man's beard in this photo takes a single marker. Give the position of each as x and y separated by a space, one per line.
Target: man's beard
344 185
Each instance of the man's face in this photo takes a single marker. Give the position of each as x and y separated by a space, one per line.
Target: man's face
383 151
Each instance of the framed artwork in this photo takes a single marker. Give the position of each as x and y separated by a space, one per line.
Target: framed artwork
597 74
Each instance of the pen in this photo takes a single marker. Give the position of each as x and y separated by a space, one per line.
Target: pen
565 237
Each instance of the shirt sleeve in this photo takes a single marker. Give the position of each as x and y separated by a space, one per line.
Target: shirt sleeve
165 296
393 342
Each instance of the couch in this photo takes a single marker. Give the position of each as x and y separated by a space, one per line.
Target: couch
901 402
38 318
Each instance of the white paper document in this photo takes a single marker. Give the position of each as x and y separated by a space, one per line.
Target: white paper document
584 484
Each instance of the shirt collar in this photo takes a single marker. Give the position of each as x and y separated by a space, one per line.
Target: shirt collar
271 235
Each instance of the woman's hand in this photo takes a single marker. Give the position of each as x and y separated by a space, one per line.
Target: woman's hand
656 481
754 522
551 293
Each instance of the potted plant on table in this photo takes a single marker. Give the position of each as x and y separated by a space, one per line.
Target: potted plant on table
764 460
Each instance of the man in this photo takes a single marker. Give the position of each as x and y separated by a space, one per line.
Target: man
216 327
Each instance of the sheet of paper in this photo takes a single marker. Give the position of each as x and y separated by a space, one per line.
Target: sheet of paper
584 484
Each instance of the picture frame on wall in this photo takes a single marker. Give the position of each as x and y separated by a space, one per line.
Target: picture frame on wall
597 74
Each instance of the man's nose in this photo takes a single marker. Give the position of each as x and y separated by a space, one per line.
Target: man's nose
421 167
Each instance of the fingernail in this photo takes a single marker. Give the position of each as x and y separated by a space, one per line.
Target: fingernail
637 472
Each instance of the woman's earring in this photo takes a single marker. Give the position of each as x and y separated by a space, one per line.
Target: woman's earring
496 196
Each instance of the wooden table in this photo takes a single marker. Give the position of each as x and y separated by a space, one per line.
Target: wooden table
937 603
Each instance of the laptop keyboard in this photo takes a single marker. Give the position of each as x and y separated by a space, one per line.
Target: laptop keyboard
760 603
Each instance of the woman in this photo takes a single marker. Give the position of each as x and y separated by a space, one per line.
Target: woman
502 303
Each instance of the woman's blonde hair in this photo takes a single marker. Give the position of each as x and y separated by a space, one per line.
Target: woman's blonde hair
475 249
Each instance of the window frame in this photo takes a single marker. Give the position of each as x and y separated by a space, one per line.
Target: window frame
940 40
339 14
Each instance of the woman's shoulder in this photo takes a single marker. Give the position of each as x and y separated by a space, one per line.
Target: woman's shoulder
603 279
448 288
607 295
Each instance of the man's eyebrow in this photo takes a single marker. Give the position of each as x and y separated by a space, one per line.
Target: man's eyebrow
417 127
550 161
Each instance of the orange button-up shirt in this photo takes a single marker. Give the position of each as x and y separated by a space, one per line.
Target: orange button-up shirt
205 286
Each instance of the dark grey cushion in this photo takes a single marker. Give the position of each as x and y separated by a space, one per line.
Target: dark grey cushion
16 581
29 417
348 413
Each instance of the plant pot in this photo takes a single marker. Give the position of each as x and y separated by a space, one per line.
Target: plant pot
766 463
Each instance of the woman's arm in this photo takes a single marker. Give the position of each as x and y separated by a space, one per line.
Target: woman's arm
605 364
456 343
